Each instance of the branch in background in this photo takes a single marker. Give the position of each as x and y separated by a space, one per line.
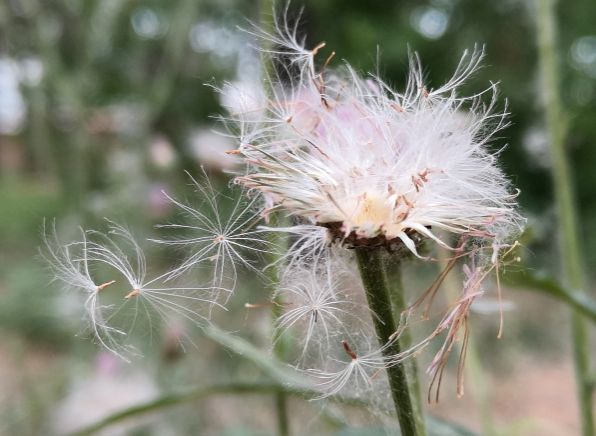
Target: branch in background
550 286
269 365
568 229
437 425
267 11
236 388
172 59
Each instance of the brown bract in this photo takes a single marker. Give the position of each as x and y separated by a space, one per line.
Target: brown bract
354 240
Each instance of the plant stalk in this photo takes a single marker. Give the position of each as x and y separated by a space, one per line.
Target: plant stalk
266 10
570 252
280 342
374 278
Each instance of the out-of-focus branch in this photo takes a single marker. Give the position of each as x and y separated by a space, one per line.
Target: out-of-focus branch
550 286
237 388
570 252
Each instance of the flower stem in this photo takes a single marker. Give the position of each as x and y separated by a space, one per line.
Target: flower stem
280 350
280 343
374 279
567 219
266 11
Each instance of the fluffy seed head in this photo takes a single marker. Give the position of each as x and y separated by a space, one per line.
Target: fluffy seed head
354 155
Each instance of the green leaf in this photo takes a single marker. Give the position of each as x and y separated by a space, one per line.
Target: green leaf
267 363
548 285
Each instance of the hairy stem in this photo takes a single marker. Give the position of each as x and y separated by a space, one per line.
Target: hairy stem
374 279
567 220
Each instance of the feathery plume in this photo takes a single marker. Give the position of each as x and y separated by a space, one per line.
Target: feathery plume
217 243
69 264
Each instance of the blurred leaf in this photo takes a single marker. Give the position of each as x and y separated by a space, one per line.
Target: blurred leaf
269 365
363 431
191 395
550 286
286 381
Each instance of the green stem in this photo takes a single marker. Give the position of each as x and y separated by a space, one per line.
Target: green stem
374 279
239 388
281 408
266 10
556 122
272 367
280 346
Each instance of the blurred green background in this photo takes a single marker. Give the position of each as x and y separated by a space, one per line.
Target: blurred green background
103 104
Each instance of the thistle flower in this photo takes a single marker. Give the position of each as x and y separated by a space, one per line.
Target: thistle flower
373 165
355 164
361 165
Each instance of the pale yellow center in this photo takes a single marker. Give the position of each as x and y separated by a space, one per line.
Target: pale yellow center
373 211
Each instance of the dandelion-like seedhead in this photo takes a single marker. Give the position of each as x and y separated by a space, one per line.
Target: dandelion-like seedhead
320 308
374 165
359 373
351 163
118 246
358 164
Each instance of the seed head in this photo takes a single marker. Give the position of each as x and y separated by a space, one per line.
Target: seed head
375 164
